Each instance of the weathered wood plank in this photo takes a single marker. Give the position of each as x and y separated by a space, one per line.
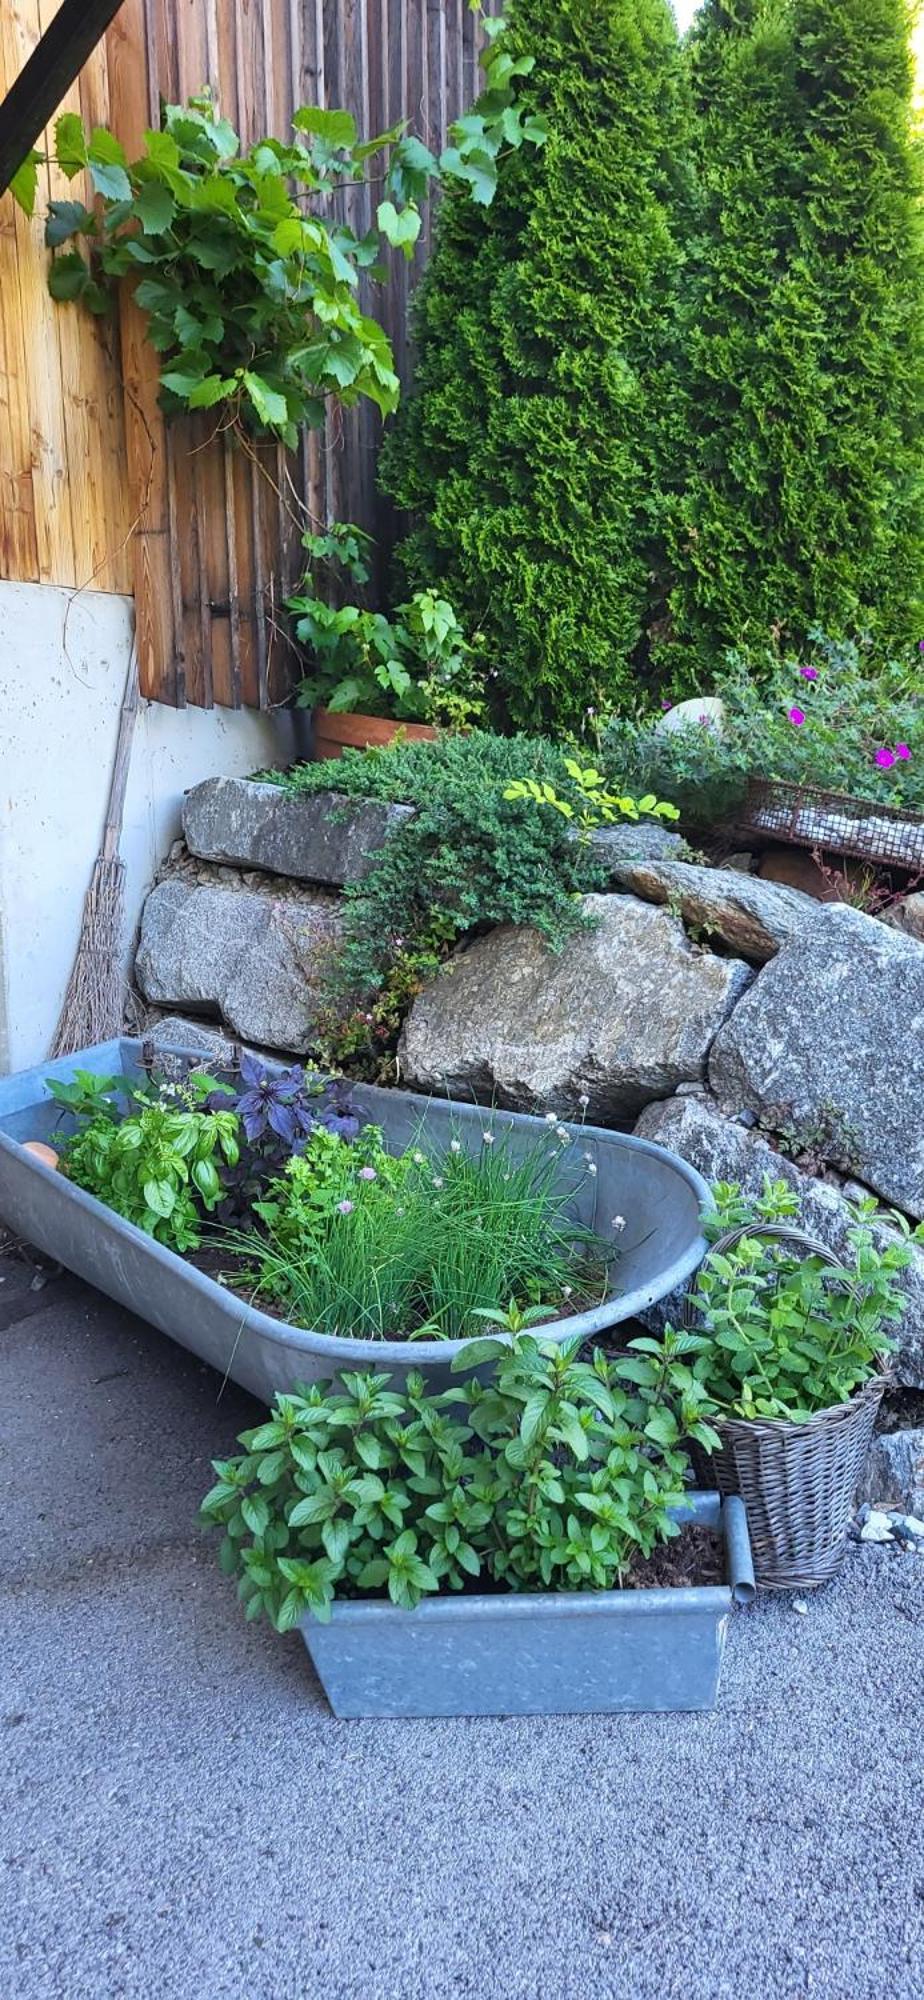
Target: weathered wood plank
18 544
20 26
160 662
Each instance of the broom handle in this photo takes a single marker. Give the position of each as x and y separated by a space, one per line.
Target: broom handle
112 825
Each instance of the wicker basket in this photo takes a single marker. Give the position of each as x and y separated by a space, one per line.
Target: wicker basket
806 816
797 1481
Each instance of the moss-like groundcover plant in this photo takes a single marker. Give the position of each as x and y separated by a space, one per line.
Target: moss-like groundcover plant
476 853
552 1475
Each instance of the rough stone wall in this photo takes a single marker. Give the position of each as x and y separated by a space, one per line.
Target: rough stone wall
738 1021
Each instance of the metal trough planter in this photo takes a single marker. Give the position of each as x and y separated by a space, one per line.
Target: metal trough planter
659 1195
570 1653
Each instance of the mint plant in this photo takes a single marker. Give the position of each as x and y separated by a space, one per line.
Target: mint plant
778 1333
550 1476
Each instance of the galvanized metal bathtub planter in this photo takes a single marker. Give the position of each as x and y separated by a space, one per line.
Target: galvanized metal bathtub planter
569 1653
659 1195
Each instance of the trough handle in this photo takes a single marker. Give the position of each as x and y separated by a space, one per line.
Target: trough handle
738 1550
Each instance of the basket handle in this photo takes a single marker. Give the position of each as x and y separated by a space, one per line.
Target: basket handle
776 1231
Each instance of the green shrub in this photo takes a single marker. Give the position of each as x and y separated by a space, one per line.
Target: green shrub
531 451
549 1477
468 859
804 333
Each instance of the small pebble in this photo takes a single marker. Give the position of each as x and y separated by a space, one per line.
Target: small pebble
862 1515
799 1604
878 1528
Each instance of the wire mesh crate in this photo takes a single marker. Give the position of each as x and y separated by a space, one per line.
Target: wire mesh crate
806 816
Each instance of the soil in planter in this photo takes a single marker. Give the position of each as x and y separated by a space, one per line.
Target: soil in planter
696 1557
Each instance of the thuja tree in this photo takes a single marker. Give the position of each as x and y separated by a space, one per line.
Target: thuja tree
803 331
532 448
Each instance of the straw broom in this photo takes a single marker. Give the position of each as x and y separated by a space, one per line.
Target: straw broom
94 1001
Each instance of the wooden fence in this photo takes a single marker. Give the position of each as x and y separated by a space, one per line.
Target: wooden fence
65 511
203 534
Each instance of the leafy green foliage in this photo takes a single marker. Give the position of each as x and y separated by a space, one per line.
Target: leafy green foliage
89 1095
838 714
415 666
534 448
803 323
249 282
549 1477
159 1166
361 1244
778 1333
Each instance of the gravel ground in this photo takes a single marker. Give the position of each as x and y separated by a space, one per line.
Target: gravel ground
182 1819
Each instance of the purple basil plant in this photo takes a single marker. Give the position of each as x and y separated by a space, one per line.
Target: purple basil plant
287 1105
278 1112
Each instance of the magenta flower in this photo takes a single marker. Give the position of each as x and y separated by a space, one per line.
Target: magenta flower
796 716
902 751
669 704
345 1207
883 758
368 1174
921 645
809 673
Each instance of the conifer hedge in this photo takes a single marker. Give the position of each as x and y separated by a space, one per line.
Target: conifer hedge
804 331
532 450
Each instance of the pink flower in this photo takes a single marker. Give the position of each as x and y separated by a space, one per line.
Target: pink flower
902 751
809 673
796 716
368 1174
345 1207
883 758
669 704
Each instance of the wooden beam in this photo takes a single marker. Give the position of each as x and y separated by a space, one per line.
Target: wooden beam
53 66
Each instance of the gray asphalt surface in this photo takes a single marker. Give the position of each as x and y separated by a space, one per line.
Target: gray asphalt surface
182 1819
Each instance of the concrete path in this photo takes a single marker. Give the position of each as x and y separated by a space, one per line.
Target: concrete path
182 1819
